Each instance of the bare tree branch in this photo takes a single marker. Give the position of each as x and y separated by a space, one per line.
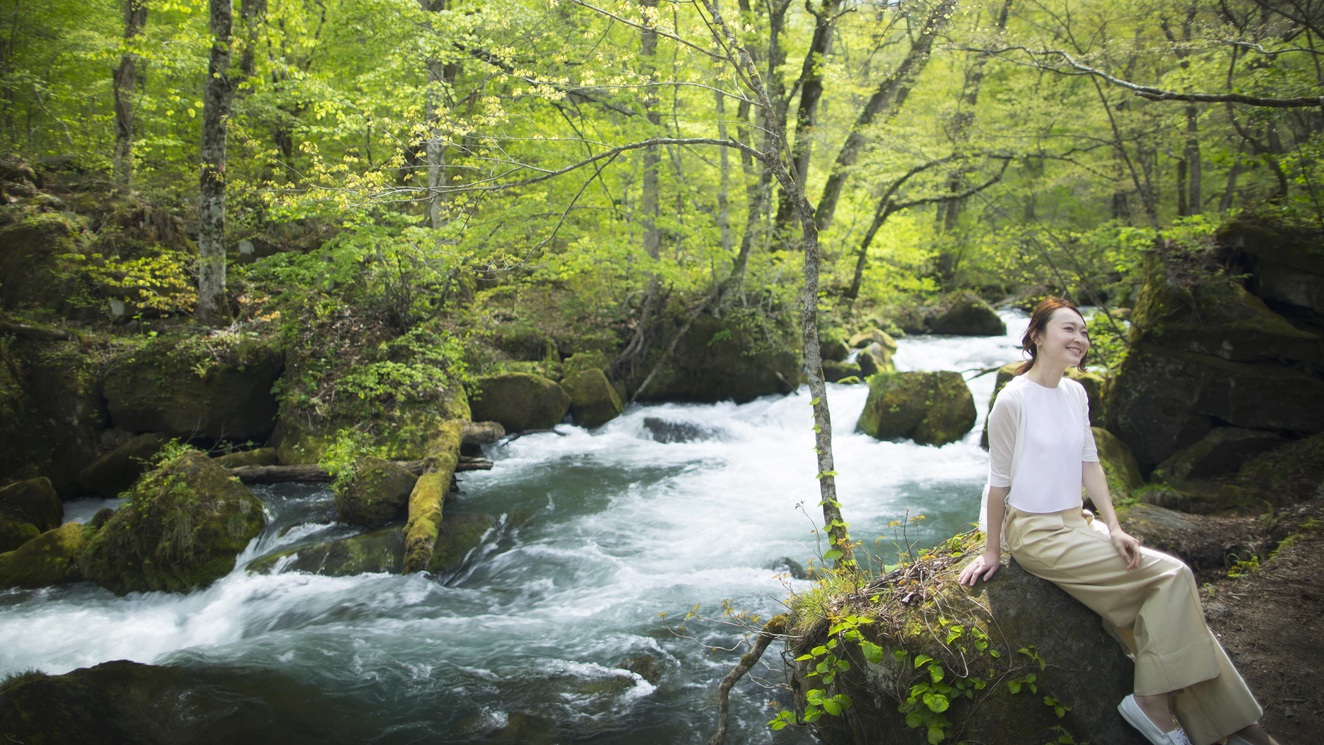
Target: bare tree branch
1150 92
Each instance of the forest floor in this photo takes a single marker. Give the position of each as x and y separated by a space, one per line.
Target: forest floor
1271 622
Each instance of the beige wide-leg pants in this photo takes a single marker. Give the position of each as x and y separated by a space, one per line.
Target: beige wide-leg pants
1155 606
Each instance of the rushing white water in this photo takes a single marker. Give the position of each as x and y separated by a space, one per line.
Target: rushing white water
599 532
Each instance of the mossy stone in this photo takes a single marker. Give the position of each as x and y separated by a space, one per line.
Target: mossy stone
519 401
377 495
1223 450
1119 465
115 471
963 314
181 529
931 408
254 457
738 358
835 372
379 551
593 400
49 559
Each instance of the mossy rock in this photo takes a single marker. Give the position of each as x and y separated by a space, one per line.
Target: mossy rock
182 388
1221 451
736 358
403 435
931 408
519 402
1119 466
1201 497
593 400
43 709
582 361
963 314
1211 313
32 274
378 494
1202 541
458 537
1161 402
379 551
1286 265
873 335
1289 474
874 359
181 529
115 471
1014 611
49 559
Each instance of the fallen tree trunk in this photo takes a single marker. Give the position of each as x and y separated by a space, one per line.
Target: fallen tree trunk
314 473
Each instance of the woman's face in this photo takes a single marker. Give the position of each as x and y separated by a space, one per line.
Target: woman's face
1064 340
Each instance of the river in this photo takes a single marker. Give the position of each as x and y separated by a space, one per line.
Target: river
606 540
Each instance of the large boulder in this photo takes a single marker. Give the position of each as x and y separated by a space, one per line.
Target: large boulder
376 495
963 314
32 251
49 559
27 509
1015 660
593 399
1222 450
726 358
931 408
1288 474
181 528
189 388
115 471
519 401
1205 353
1285 265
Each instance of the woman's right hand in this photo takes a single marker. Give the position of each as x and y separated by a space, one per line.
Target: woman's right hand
982 567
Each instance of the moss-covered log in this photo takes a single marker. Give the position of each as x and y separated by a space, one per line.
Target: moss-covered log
429 495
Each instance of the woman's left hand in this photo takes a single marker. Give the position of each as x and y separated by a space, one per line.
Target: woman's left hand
1127 546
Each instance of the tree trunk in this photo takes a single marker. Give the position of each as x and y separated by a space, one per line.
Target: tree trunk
650 202
806 114
125 80
841 552
886 100
218 91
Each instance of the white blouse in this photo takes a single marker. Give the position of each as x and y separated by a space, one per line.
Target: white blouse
1038 440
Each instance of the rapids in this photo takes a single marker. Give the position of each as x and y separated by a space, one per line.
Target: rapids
605 540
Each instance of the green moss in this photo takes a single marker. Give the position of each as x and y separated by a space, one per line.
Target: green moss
49 559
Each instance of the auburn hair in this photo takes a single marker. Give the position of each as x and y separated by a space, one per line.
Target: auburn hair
1043 313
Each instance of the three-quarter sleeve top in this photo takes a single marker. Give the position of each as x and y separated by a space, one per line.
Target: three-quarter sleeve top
1039 438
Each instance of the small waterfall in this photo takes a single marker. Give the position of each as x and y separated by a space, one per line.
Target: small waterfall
572 621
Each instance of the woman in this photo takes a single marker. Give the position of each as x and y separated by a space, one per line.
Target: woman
1041 451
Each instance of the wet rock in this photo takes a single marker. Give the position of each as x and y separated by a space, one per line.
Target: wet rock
49 559
379 551
182 389
874 359
520 402
835 350
459 536
668 431
787 565
593 400
114 472
182 528
378 494
931 408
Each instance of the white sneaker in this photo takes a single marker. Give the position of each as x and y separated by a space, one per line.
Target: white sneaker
1136 717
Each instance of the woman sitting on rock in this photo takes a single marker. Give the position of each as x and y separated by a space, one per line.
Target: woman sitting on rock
1041 451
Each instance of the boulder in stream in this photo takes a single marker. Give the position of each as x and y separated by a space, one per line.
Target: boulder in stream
963 314
49 559
378 494
115 471
182 528
593 399
519 401
931 408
